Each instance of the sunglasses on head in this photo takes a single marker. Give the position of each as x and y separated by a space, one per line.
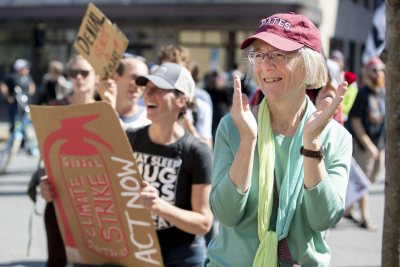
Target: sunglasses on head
75 73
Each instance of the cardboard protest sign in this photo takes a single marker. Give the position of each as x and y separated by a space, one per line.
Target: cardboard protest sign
358 184
100 42
96 182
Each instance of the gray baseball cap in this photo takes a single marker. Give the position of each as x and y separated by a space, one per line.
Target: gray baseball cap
170 76
20 64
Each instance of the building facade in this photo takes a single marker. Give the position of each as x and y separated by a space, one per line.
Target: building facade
42 30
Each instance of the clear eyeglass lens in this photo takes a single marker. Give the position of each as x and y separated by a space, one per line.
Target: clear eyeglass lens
257 57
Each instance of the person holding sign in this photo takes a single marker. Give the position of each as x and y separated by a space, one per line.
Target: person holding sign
175 166
83 78
280 170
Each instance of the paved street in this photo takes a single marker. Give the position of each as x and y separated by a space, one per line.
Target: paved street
351 246
17 220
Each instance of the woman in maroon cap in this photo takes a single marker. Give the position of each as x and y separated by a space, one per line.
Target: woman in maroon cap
280 169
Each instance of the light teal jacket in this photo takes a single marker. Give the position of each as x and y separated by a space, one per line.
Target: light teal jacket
318 209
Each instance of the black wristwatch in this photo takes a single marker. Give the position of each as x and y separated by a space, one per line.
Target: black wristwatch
319 154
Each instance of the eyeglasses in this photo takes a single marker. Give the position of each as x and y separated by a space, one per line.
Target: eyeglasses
275 57
75 73
376 70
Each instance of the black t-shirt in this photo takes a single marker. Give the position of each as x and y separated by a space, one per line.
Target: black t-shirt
369 106
172 169
47 94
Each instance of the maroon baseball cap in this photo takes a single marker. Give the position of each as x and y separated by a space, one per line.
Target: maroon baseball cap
287 32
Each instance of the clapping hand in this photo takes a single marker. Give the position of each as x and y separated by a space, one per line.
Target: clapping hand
319 119
241 113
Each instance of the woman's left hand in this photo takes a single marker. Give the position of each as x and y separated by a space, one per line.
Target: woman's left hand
320 118
107 89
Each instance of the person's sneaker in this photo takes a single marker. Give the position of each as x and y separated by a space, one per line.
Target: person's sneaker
351 217
368 226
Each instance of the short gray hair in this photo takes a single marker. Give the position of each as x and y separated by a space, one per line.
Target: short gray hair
316 72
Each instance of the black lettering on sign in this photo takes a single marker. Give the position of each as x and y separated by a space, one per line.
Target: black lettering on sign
92 26
112 64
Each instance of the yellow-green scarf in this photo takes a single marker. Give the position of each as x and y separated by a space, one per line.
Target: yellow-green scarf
267 253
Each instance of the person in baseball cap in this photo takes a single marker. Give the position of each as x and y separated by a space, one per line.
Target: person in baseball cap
288 32
170 76
175 166
280 170
20 64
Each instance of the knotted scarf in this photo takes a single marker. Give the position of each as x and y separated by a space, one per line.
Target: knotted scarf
267 252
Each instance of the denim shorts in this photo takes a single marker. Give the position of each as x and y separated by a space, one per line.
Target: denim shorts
191 254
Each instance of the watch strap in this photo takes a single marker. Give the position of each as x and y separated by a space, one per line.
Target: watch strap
318 154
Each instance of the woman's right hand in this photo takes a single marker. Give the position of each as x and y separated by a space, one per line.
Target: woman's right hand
241 113
107 89
46 189
373 151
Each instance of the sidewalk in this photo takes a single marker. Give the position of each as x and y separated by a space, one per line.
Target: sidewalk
351 245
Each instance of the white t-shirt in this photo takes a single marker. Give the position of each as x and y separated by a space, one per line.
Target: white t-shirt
136 120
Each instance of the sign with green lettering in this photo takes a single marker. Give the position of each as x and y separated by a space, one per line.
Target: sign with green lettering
96 182
100 42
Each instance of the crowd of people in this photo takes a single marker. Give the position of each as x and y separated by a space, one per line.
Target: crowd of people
261 171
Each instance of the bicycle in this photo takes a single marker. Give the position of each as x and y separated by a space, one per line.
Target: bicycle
23 128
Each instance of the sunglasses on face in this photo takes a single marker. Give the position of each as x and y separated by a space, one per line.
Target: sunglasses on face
75 73
376 70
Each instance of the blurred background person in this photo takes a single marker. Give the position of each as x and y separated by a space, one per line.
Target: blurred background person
366 119
339 58
351 93
55 86
20 77
366 123
216 85
124 94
